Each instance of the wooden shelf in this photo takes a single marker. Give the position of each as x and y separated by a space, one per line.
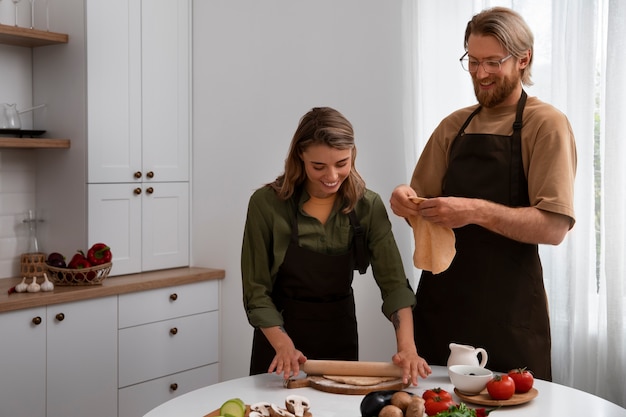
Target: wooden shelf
34 143
30 38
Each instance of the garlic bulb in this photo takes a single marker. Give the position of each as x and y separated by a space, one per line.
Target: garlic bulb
46 285
33 286
22 286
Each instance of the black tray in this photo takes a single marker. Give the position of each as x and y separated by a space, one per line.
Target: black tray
20 133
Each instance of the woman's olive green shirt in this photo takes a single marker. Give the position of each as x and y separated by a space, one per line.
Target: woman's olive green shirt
267 234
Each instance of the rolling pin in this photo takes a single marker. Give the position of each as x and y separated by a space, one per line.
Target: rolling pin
350 368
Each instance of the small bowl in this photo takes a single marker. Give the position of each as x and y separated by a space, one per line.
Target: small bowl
468 379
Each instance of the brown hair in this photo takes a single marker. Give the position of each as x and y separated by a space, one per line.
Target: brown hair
320 126
510 29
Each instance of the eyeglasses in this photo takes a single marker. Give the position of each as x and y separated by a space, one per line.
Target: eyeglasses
490 66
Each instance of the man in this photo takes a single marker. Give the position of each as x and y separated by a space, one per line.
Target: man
501 175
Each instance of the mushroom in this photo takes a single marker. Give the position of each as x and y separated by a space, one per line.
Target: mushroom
297 404
255 414
276 411
263 408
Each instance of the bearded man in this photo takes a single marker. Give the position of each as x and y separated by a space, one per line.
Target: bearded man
500 174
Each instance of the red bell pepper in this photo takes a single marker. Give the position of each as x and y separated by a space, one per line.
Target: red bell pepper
99 254
79 261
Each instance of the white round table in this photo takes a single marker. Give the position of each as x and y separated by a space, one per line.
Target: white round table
553 399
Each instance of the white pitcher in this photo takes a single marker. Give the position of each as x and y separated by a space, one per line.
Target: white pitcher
466 355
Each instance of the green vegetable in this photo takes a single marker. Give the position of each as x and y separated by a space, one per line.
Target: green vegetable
462 410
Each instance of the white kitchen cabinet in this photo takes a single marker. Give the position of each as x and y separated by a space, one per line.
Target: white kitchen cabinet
168 344
136 400
146 225
139 132
23 363
63 366
121 88
138 90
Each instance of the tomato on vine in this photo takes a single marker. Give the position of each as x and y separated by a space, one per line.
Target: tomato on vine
501 387
437 392
523 379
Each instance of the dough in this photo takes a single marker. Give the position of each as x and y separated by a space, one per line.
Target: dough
361 381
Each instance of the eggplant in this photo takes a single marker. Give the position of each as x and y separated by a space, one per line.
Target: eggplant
373 402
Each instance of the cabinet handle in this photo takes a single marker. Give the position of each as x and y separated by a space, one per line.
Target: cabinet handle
173 330
150 174
174 297
60 317
137 191
149 190
137 174
36 320
174 386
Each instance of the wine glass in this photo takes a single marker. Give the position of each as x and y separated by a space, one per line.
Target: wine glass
15 2
32 14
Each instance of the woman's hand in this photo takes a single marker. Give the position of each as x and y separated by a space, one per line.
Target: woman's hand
288 359
287 362
412 365
407 358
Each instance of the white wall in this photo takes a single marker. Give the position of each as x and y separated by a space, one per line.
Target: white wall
258 67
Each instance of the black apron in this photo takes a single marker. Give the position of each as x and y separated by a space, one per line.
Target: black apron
313 292
492 296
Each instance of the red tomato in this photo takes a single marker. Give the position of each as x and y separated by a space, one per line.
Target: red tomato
436 405
437 392
501 387
523 379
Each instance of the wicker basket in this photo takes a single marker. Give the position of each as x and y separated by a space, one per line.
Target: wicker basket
83 276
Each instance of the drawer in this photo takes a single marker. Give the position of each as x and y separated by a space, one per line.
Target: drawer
166 303
155 350
137 400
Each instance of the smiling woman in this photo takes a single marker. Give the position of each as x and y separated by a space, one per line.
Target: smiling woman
305 234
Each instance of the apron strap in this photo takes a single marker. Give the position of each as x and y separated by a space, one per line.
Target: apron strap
360 244
518 182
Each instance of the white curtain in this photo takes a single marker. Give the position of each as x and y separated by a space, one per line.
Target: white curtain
579 67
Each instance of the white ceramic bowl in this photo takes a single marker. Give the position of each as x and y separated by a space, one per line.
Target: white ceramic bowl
468 379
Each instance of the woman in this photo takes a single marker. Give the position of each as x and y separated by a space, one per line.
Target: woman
305 234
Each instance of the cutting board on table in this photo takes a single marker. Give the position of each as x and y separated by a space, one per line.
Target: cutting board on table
324 383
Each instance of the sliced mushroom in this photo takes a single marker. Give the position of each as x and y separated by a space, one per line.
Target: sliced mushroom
262 408
276 411
297 404
255 414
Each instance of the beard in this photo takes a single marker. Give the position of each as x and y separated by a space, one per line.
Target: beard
504 87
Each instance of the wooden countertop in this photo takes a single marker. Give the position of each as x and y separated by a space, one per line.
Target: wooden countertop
115 285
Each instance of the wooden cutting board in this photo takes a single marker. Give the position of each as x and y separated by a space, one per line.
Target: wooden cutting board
323 384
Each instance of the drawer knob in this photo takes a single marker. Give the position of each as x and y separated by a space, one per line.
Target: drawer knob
174 386
60 317
36 320
137 191
150 174
174 297
173 330
137 174
149 190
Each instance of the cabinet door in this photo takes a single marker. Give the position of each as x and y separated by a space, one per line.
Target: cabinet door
166 347
113 90
114 213
137 400
82 358
23 363
165 225
165 81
